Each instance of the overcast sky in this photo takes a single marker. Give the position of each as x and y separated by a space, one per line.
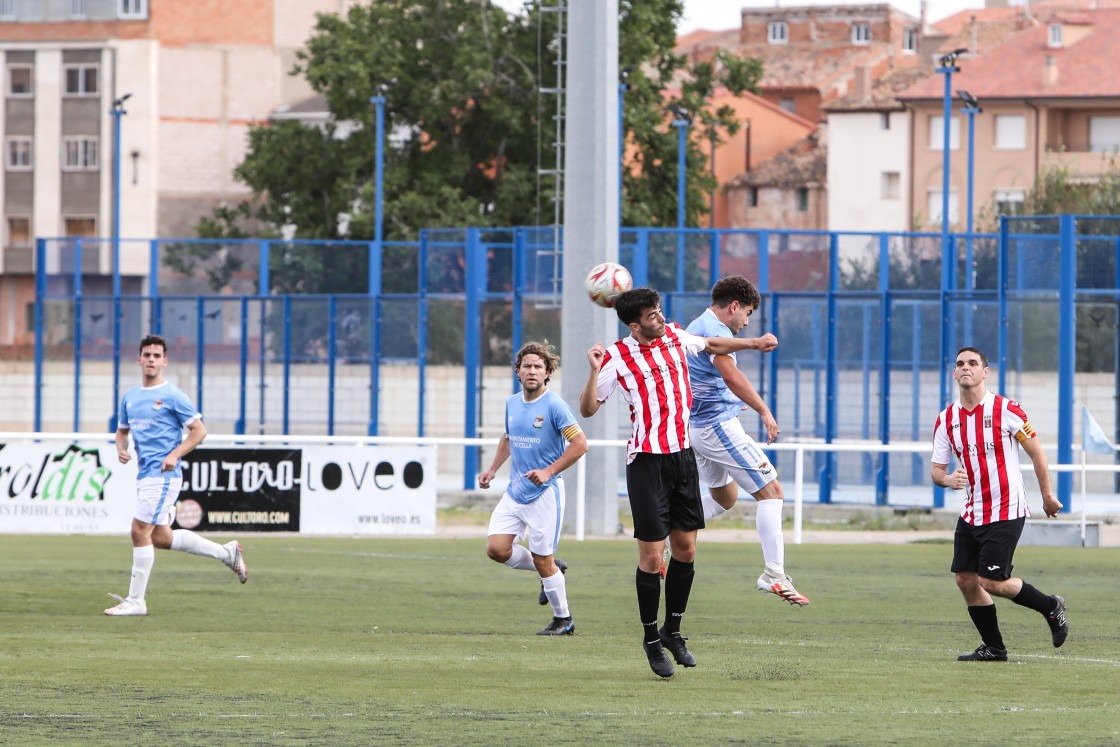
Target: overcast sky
724 14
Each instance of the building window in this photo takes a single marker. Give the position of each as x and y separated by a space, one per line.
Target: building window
1011 131
79 153
937 133
788 105
891 185
81 80
79 8
861 33
1009 201
17 154
1054 38
935 206
132 8
1104 134
752 196
910 40
19 232
20 81
7 10
803 199
777 32
884 120
81 227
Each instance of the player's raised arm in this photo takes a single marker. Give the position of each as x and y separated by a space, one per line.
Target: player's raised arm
588 403
722 345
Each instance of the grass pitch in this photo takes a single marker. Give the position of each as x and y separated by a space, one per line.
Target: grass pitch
425 641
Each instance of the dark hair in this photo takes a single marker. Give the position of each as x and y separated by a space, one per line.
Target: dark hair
630 305
735 288
978 351
153 340
544 351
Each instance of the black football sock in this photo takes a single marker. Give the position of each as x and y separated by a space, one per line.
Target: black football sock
984 618
649 599
678 585
1031 597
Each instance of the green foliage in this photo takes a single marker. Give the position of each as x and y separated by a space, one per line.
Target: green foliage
467 130
357 641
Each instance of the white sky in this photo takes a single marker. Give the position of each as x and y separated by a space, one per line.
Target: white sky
724 14
717 15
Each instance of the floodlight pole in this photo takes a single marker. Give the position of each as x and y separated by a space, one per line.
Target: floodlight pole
116 112
375 256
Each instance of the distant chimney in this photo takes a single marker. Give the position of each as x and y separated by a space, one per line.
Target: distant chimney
974 36
1050 71
863 82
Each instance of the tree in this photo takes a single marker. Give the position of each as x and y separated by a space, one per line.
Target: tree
461 79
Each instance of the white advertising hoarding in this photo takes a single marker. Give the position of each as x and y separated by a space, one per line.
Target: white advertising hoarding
75 488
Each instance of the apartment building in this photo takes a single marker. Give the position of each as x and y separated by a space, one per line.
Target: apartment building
195 74
1049 98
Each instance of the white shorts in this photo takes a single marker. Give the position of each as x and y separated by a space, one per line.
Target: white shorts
725 453
155 499
542 519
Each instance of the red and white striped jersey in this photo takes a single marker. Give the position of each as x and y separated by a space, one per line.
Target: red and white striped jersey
654 381
985 442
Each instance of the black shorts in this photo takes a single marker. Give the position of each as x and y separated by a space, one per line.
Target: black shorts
664 494
988 549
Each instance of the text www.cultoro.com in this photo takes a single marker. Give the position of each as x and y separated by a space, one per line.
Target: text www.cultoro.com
249 517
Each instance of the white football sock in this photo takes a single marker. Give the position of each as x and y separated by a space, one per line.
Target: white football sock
768 522
184 540
711 508
556 589
521 559
143 558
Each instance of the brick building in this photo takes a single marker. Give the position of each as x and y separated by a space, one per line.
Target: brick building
197 74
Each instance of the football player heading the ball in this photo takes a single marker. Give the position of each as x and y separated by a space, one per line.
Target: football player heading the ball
649 368
728 458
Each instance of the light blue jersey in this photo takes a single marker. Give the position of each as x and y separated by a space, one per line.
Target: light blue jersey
712 401
538 434
156 416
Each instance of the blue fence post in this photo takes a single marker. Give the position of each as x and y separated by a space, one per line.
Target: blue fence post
155 321
832 381
374 290
764 261
264 279
475 287
199 358
287 362
1067 354
332 344
519 280
40 331
78 334
422 328
886 311
640 269
1002 269
243 380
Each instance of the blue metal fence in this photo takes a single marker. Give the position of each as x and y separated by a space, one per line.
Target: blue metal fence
866 322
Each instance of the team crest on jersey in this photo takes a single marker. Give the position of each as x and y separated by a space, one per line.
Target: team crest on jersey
988 421
538 421
157 405
764 468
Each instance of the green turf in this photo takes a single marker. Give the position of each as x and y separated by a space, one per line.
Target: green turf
425 641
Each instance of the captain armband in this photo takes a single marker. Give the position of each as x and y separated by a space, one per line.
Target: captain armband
571 431
1027 431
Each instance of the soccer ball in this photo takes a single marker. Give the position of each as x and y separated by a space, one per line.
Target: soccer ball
606 282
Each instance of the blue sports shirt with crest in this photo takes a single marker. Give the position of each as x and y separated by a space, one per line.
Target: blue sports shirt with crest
156 416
